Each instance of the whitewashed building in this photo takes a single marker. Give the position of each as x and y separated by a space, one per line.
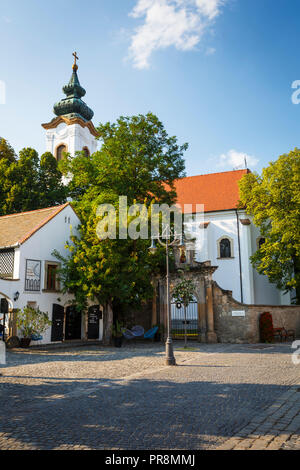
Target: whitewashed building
229 236
28 273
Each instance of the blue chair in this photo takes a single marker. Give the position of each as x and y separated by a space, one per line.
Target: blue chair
128 334
138 331
36 338
151 333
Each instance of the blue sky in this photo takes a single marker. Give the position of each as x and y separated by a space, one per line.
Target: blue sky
218 73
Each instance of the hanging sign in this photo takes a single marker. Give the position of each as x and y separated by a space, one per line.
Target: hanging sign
33 275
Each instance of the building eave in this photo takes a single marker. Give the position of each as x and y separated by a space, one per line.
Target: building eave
62 119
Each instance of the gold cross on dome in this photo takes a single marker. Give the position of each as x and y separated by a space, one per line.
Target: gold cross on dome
75 57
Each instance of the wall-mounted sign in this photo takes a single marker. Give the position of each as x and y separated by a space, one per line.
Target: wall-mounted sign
93 322
239 313
33 275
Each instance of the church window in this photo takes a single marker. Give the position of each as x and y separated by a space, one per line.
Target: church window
86 151
60 152
260 242
225 248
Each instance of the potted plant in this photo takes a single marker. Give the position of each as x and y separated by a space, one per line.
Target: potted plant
31 322
117 333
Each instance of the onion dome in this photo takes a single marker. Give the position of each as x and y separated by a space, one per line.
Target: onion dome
72 106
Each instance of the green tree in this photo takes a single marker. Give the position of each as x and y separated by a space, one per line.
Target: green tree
24 175
138 160
29 183
6 151
52 190
7 157
273 199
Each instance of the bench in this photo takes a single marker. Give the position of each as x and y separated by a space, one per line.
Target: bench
284 335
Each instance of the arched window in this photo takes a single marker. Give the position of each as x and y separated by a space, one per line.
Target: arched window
225 248
86 151
60 152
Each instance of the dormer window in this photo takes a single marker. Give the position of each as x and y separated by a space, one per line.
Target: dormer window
60 151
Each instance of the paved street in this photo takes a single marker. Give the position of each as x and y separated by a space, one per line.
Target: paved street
219 396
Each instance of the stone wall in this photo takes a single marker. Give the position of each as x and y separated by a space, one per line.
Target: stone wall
245 329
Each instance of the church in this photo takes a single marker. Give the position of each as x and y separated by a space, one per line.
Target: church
230 238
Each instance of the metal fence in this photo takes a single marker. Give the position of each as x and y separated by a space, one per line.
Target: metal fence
178 320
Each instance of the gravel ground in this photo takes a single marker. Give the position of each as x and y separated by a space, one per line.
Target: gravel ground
105 398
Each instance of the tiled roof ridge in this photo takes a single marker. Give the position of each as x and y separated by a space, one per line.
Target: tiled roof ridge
212 174
35 211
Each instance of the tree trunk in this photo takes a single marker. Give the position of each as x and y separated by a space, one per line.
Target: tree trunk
297 276
108 318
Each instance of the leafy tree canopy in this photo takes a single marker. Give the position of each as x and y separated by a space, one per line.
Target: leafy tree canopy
28 183
273 199
137 159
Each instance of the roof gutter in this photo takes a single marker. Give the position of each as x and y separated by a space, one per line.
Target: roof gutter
240 256
10 247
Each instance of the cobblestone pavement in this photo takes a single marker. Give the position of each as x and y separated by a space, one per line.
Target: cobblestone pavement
219 396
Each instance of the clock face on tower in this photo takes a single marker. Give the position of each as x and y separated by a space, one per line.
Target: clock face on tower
61 129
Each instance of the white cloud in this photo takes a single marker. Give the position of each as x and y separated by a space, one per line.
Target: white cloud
236 160
178 23
210 51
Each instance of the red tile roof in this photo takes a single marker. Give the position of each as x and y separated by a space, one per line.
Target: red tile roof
15 229
217 191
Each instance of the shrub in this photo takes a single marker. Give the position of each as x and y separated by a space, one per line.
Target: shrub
32 321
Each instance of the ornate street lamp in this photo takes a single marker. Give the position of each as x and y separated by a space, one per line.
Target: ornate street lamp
178 240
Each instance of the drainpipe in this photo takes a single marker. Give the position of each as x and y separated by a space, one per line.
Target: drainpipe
240 257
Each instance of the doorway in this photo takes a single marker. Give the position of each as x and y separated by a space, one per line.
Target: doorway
57 331
73 324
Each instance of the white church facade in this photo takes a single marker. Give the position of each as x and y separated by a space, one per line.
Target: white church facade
227 236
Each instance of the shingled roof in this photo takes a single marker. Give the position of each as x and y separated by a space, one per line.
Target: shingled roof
217 191
15 229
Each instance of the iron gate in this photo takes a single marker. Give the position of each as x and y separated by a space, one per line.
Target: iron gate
178 321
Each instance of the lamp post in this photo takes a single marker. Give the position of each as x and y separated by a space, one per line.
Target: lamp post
179 241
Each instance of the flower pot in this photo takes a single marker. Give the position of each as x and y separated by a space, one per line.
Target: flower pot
118 341
25 342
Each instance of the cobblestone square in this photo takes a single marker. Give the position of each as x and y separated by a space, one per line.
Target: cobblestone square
217 397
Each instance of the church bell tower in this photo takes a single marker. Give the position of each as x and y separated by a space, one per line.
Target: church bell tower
72 129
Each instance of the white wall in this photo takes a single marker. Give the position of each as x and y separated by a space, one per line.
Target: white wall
256 289
74 137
